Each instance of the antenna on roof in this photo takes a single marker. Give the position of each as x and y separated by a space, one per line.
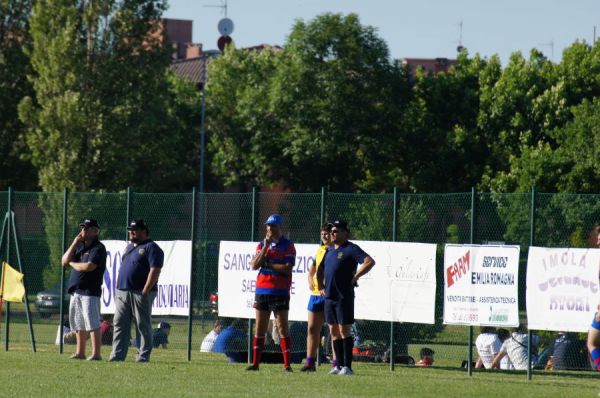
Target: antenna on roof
222 6
551 45
460 47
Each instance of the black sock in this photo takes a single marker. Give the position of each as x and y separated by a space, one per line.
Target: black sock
338 349
348 344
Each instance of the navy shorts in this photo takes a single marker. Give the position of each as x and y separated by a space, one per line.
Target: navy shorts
339 312
316 303
270 302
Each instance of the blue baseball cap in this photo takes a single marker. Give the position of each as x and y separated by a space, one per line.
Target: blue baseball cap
274 219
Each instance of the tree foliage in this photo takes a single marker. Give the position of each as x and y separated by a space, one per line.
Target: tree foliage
15 168
105 113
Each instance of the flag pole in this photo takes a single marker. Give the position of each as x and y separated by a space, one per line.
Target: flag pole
25 299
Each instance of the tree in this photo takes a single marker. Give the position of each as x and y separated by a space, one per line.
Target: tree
318 113
105 111
16 170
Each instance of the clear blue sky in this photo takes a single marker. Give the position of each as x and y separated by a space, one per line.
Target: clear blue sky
412 29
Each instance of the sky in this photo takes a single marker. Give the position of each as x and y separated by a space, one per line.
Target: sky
411 29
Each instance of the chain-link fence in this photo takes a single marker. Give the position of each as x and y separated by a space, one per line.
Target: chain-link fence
47 222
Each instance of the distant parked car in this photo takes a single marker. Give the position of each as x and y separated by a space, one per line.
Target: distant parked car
47 302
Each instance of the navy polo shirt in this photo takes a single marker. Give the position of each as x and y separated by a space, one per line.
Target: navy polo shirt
136 263
340 267
88 283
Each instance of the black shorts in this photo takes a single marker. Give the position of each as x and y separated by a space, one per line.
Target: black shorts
272 303
339 312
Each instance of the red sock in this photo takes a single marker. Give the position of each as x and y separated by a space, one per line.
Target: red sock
286 349
258 345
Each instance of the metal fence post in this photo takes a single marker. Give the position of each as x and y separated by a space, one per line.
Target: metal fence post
531 243
62 269
191 299
7 320
252 238
129 210
472 241
394 238
323 193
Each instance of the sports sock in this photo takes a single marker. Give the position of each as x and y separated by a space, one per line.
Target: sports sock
338 348
311 361
286 349
348 345
334 363
596 358
258 345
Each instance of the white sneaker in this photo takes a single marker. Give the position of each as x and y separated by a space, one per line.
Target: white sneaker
346 371
334 371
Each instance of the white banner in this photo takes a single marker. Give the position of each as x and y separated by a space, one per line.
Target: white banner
481 285
401 286
173 296
562 288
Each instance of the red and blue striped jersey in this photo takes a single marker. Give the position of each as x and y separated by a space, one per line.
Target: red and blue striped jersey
270 281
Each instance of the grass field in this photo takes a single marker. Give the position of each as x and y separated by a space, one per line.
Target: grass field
169 374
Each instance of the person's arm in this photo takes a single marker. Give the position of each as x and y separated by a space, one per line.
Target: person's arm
312 270
321 278
497 359
83 267
366 266
68 255
151 280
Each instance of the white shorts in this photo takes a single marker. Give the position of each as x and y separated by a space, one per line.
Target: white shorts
84 312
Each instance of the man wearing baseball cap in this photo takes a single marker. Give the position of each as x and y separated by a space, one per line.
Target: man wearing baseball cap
136 289
275 258
340 274
87 258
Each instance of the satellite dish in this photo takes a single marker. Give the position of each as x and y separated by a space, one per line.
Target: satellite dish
225 26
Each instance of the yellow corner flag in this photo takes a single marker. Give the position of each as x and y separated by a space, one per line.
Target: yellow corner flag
12 288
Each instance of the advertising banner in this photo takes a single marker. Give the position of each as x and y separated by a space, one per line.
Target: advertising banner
173 296
401 286
481 285
562 288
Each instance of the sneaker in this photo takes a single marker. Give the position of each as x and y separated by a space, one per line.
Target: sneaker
346 371
252 368
94 358
115 359
334 371
141 360
288 369
307 368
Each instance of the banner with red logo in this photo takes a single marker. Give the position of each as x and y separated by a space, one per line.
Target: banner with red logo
481 285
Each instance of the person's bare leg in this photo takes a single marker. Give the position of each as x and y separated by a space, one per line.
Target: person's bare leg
96 343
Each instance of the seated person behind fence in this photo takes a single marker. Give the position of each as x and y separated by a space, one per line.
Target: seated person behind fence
488 344
569 352
160 335
106 330
231 342
515 347
505 362
426 355
208 343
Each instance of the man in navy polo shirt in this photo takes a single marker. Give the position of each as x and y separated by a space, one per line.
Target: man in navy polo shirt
87 257
136 289
340 277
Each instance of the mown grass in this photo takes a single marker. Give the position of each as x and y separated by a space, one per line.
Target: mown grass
169 374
